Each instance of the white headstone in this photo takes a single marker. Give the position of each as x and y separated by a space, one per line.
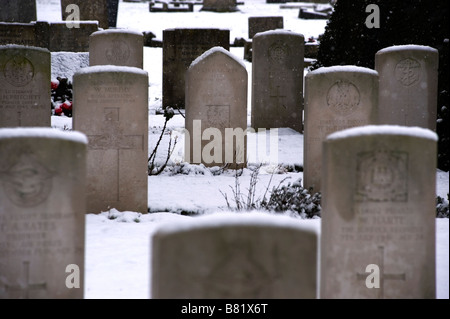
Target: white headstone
42 208
235 256
24 86
216 108
379 213
116 47
408 85
111 108
336 98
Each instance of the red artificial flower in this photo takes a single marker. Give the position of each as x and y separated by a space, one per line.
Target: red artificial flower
58 110
66 106
55 84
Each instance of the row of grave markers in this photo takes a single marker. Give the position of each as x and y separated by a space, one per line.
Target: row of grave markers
369 196
216 93
377 237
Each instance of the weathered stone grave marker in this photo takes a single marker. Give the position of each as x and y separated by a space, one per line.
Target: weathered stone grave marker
216 110
235 256
277 85
408 85
42 208
378 220
24 86
111 109
117 47
63 38
262 24
89 10
180 48
52 36
336 98
219 5
17 11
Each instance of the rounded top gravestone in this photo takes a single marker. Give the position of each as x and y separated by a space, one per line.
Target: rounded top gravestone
42 207
336 98
24 86
112 110
408 85
116 47
379 213
235 256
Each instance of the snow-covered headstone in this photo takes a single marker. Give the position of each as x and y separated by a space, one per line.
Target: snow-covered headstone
24 86
180 48
112 110
42 209
235 256
408 85
89 10
336 98
277 85
116 47
262 24
219 5
17 11
216 110
378 218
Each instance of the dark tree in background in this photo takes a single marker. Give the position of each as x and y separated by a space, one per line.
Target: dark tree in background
348 41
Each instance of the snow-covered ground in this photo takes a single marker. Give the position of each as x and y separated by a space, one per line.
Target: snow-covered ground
117 247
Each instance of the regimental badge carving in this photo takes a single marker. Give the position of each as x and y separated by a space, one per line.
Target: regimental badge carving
278 52
218 116
382 176
118 53
239 275
343 97
18 71
27 182
408 72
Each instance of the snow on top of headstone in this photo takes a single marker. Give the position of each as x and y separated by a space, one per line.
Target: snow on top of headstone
115 31
213 51
407 47
22 47
42 132
384 130
343 68
110 68
218 220
277 32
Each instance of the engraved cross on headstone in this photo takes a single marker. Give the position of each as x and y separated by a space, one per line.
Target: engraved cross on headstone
113 139
26 286
383 275
278 97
